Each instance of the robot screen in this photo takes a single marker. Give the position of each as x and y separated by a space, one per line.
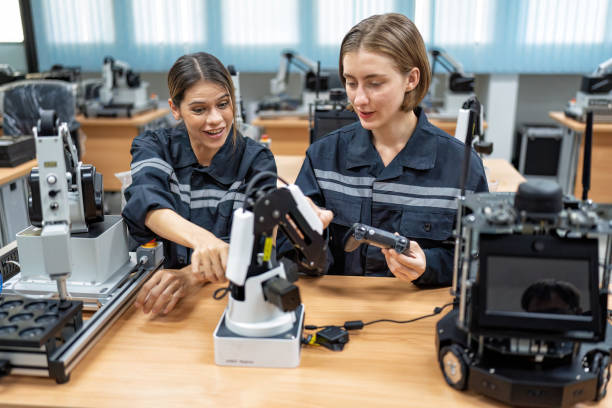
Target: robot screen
538 284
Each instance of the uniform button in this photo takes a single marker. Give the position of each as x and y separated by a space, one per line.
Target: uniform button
181 260
427 227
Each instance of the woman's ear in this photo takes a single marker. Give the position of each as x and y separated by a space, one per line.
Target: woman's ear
412 79
176 113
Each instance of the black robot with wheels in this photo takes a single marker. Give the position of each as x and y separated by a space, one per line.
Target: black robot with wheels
529 325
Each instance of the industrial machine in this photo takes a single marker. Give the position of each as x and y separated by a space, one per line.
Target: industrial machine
72 257
481 145
595 95
262 324
460 86
529 325
316 86
325 116
8 74
59 72
120 94
244 128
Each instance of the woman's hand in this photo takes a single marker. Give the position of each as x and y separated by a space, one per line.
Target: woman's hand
326 216
161 293
209 260
406 267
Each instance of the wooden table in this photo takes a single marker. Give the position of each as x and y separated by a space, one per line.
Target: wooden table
169 361
500 171
601 164
8 174
289 135
108 141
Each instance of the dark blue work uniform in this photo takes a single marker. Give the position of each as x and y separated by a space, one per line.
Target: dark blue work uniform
166 174
414 195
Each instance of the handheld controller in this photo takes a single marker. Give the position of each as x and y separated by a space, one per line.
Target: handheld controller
364 234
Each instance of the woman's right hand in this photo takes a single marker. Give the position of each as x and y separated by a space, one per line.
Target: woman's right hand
326 216
209 260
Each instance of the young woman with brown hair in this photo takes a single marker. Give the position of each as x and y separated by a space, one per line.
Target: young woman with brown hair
392 169
187 181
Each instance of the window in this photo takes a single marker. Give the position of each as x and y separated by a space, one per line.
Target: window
79 21
566 21
335 18
169 22
260 22
10 21
463 22
422 18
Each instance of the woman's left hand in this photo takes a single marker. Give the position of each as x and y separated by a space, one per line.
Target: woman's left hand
406 267
161 293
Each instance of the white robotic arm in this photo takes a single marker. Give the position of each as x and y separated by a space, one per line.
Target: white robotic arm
604 68
262 324
458 81
243 234
278 84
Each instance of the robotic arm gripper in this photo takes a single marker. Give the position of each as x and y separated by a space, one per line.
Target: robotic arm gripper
262 299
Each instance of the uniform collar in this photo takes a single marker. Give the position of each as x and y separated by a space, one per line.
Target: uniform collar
180 147
419 153
223 166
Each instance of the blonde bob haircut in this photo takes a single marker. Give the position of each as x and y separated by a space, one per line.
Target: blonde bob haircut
395 36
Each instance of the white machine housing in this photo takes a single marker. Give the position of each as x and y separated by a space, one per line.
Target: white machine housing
91 259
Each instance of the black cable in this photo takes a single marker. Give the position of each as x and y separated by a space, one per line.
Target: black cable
220 293
255 179
359 324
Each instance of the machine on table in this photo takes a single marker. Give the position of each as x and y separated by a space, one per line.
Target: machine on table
529 325
316 85
481 145
459 88
595 95
263 322
325 116
21 104
121 93
59 72
71 247
8 74
244 128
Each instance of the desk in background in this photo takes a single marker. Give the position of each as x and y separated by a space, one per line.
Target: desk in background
500 170
108 141
13 201
169 361
290 135
601 164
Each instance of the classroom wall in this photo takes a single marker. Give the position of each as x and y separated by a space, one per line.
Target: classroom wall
539 94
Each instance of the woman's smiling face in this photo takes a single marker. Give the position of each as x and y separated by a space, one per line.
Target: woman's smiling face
208 114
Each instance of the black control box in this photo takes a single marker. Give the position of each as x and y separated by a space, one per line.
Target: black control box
364 234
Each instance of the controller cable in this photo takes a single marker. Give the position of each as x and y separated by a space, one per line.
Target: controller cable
334 337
